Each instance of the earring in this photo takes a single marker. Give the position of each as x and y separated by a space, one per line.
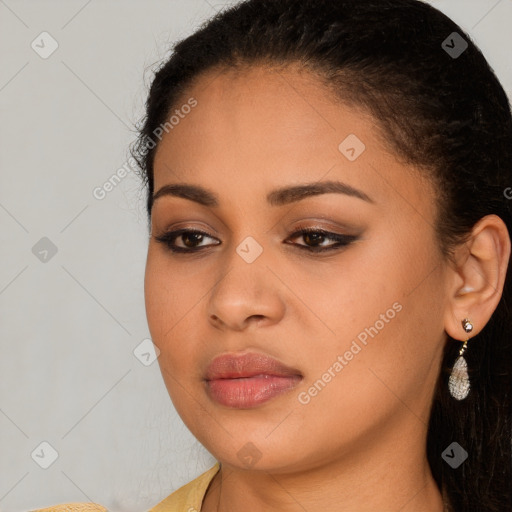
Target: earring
458 384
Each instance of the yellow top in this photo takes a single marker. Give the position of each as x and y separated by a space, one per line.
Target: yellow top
73 507
187 498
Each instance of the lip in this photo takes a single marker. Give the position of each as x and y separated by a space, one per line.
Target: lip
248 380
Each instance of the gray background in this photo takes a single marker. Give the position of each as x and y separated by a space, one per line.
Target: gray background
70 321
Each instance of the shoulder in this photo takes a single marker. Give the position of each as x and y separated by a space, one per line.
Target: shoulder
189 497
186 499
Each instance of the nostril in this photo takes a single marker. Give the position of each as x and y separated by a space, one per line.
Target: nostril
256 318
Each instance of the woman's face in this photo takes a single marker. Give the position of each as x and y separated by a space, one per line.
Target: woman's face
274 355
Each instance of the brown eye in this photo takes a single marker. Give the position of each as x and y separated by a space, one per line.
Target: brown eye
314 240
191 240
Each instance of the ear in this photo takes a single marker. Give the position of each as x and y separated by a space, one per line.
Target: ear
477 277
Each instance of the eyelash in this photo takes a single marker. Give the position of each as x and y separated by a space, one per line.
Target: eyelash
169 238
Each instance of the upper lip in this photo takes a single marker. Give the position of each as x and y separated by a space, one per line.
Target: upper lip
233 366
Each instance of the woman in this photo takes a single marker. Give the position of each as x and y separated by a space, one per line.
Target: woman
327 275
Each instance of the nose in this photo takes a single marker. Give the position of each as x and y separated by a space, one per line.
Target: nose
247 294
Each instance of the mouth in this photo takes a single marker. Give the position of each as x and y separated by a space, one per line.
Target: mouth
248 380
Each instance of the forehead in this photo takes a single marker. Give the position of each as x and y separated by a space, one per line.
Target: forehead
257 128
256 111
269 107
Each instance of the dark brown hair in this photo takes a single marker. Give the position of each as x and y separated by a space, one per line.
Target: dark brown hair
443 113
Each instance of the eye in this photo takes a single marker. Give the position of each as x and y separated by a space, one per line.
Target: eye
317 240
191 240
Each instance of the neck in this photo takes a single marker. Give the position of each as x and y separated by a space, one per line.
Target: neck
386 477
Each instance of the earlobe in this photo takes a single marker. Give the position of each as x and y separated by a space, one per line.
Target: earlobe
480 267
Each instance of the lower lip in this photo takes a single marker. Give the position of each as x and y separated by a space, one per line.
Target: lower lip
248 392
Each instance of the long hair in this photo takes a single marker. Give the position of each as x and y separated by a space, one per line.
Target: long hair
438 106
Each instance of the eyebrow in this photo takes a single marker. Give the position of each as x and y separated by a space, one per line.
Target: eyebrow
279 197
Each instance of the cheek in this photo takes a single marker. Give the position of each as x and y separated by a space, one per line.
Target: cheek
361 328
384 312
158 297
173 300
170 295
166 300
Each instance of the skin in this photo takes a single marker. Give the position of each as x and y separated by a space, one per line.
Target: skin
359 444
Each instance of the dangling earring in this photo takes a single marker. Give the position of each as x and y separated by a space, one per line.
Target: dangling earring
459 378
